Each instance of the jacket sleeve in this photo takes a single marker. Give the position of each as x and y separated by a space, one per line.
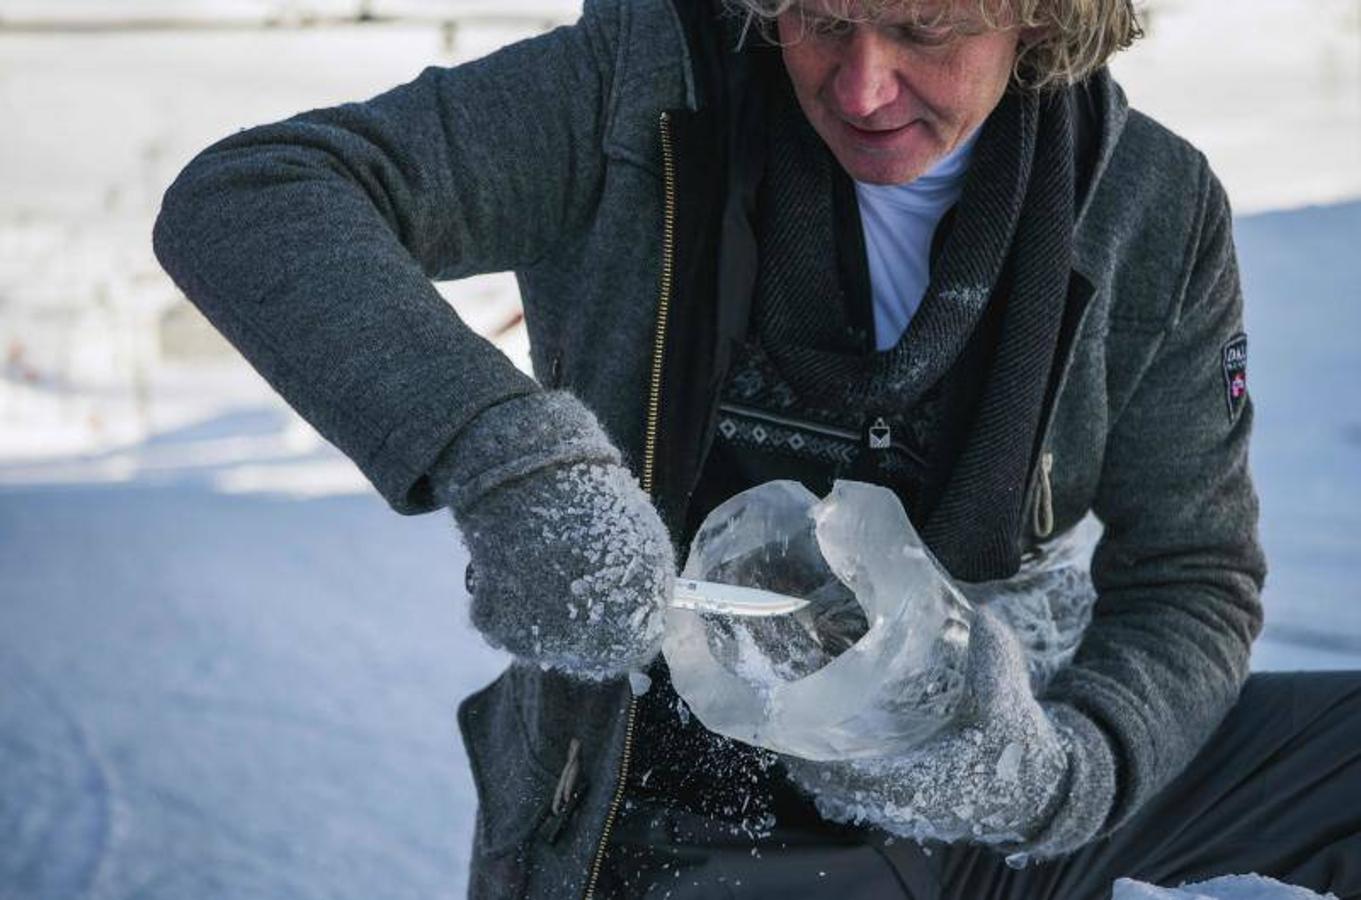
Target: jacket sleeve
1179 569
311 243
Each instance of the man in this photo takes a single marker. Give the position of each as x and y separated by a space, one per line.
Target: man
739 257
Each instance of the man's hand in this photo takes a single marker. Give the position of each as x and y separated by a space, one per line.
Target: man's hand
1012 772
571 567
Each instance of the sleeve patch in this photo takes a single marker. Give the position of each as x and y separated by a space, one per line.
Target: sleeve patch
1234 359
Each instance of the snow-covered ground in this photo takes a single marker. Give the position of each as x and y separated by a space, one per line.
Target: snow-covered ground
1300 274
226 669
1269 89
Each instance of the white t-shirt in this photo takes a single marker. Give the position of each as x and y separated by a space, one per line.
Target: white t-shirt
898 222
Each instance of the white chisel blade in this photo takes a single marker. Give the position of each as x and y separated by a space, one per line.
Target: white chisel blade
732 600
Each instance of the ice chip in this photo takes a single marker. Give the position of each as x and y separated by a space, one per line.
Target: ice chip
1009 763
639 683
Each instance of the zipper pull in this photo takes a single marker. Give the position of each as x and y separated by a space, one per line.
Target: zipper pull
550 829
1043 519
566 797
879 436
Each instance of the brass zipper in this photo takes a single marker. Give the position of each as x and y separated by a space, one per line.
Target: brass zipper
648 479
654 396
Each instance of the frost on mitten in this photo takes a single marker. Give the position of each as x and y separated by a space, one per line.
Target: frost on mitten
570 565
1034 779
572 569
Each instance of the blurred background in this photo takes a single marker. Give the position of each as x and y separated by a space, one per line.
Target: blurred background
226 668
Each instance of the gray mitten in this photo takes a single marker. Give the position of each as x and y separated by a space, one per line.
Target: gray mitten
570 565
1025 776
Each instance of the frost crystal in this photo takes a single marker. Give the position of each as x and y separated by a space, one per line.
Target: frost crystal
1009 763
639 683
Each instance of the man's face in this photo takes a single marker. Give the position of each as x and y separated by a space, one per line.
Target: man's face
889 98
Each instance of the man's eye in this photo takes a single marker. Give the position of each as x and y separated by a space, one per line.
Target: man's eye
926 36
823 26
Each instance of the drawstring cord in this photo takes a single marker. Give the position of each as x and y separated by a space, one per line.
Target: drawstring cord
568 779
1043 519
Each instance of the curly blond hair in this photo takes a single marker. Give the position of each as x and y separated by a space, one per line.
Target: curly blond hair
1078 36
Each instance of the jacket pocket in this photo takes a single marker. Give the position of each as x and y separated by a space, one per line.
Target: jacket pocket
513 789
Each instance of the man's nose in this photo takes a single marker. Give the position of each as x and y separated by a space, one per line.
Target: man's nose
865 80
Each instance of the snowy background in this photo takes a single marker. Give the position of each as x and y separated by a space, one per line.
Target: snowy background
226 669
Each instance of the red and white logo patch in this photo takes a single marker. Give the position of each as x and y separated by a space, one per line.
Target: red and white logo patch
1234 358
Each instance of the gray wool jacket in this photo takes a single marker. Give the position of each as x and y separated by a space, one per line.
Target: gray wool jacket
311 244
